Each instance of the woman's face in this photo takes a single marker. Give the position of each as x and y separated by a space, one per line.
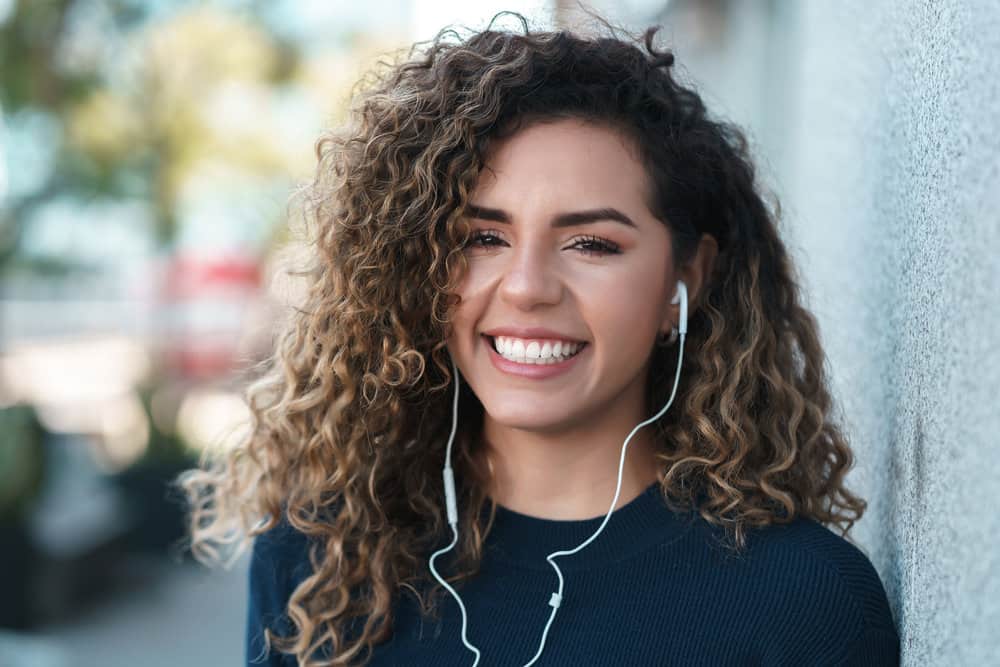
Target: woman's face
569 274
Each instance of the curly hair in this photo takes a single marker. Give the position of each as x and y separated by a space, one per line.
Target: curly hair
351 412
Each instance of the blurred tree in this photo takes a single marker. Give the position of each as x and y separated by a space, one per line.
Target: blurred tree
146 95
140 97
196 116
30 77
21 460
22 472
141 102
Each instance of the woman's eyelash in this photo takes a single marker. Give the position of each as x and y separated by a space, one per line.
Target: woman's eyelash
595 244
604 246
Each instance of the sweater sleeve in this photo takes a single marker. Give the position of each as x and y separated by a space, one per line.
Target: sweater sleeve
275 562
831 609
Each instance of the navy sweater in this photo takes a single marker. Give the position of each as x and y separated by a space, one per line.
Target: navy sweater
654 588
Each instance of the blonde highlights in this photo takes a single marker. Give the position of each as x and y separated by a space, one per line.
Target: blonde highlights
351 413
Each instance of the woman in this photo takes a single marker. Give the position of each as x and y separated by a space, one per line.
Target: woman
481 440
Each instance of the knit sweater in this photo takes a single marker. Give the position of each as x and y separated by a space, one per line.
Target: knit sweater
654 588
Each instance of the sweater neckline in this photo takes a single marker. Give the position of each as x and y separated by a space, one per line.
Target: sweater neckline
526 541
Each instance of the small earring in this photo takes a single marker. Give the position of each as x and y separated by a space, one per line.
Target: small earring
665 340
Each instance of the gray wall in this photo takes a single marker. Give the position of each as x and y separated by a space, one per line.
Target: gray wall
877 125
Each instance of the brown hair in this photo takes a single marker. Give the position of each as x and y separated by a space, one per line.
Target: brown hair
350 420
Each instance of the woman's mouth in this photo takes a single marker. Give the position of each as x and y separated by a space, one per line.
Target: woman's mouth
535 359
541 352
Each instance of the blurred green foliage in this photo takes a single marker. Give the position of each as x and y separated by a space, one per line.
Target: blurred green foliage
22 460
132 97
165 447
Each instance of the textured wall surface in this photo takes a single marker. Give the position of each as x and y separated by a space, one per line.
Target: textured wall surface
893 166
877 124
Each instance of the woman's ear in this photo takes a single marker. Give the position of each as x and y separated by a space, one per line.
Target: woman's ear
698 270
695 274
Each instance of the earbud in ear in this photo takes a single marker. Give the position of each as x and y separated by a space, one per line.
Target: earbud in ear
682 296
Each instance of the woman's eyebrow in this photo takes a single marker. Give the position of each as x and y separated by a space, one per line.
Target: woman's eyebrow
562 220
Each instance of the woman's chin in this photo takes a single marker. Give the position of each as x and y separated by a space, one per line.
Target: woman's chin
530 418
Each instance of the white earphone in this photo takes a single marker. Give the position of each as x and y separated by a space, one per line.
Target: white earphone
452 505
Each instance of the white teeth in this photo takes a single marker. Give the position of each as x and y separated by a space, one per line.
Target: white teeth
533 351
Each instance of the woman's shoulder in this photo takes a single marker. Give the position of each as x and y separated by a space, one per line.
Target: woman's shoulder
802 554
279 561
280 555
807 551
821 580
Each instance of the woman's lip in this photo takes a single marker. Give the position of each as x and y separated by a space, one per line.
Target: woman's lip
532 371
491 339
530 333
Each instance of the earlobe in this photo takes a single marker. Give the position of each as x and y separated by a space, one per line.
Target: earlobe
667 339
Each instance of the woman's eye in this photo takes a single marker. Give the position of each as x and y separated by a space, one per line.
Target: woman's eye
588 245
595 245
487 239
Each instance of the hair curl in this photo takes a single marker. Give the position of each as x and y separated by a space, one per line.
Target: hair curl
350 417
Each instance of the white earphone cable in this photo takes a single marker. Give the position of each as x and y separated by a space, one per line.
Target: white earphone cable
452 507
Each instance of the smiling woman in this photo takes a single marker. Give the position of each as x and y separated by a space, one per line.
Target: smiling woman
579 261
513 244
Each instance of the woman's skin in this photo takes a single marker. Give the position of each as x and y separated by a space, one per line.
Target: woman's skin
554 443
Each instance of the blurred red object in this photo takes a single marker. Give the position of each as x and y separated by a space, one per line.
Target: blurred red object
193 276
206 299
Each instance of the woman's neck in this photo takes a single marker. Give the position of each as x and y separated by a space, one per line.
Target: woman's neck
570 476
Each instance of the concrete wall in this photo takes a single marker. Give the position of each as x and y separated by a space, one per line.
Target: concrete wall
877 124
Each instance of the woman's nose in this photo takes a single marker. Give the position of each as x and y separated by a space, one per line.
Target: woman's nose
530 279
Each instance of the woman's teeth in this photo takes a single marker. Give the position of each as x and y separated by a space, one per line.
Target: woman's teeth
535 351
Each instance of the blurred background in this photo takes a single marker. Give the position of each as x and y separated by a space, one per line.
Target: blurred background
148 151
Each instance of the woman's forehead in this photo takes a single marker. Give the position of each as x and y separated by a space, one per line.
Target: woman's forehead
564 150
